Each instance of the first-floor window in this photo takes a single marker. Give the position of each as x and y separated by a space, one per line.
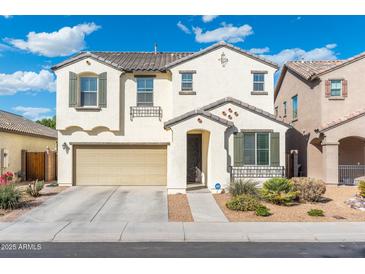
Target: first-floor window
256 148
263 149
88 91
145 91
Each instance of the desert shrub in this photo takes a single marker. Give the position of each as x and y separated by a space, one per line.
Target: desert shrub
243 202
279 191
35 187
240 187
262 211
361 187
9 196
310 189
316 212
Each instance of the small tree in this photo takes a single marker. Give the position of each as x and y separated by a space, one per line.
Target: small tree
48 122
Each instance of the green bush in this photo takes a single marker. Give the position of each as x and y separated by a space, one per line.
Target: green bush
243 202
262 211
9 196
310 189
316 212
240 187
361 187
279 191
35 187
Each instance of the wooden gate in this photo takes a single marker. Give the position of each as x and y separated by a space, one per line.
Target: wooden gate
35 166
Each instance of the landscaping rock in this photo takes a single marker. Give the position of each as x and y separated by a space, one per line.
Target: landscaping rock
356 202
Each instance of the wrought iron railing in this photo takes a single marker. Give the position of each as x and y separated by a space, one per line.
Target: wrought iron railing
139 111
242 172
348 173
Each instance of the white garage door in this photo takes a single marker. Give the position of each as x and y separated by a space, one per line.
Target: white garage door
120 165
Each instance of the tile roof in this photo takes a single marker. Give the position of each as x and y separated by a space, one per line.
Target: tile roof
343 120
197 112
130 61
308 69
18 124
205 112
150 61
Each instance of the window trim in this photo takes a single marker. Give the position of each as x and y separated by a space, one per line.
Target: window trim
341 88
256 132
296 117
182 81
258 82
137 92
80 106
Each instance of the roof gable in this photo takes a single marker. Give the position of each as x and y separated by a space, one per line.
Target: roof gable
220 45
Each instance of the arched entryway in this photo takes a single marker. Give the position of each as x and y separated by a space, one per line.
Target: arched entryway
197 149
351 159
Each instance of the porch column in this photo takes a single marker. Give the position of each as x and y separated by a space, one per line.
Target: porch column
330 162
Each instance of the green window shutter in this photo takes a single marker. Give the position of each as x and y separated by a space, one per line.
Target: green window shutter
275 149
102 89
238 149
72 89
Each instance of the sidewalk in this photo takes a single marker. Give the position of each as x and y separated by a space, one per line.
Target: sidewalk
182 232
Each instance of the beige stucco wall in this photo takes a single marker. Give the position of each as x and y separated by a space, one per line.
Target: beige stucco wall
14 143
212 81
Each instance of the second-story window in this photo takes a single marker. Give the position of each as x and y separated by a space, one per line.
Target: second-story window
336 87
186 81
144 91
259 82
284 106
88 91
295 107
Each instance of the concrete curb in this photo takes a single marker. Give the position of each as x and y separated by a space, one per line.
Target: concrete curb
181 232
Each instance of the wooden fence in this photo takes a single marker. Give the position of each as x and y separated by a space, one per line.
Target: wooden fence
39 165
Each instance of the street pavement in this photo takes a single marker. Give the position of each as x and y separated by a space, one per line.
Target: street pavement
185 250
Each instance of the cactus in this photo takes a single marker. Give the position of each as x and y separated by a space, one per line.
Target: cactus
35 187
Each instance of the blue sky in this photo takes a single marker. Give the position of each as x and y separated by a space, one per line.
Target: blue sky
29 45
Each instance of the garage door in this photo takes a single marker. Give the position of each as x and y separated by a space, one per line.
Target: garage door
125 165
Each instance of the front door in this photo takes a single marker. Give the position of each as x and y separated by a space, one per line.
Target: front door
194 158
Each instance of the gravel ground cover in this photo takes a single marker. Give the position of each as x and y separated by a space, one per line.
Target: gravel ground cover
179 209
334 208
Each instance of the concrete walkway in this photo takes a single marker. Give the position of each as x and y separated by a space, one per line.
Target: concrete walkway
204 208
182 232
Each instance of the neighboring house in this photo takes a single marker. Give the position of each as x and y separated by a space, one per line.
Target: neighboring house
172 118
18 133
325 103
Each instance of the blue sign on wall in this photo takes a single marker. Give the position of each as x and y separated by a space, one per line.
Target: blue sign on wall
217 186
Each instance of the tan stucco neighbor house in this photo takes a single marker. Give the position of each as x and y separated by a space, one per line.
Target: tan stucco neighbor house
177 119
18 133
324 102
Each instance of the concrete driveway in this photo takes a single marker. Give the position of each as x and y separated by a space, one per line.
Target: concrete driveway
103 204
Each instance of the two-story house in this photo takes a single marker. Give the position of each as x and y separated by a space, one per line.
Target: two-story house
325 103
167 118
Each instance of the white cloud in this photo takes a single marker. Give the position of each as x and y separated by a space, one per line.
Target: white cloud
259 50
26 81
33 113
183 27
208 18
226 32
63 42
324 53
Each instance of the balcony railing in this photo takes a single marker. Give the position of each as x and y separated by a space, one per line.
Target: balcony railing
242 172
348 173
145 112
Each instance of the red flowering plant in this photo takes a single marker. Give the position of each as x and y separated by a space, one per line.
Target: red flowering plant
6 178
